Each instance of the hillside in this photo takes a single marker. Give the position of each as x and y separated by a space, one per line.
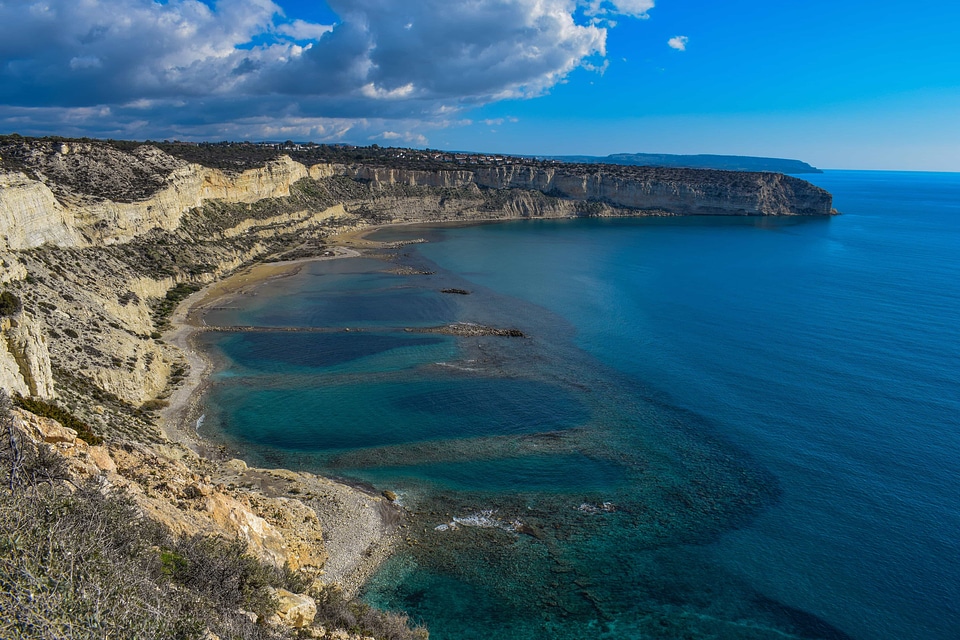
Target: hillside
699 161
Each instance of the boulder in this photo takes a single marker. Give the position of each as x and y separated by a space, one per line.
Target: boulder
295 609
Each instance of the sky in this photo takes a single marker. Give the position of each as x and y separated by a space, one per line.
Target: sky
851 84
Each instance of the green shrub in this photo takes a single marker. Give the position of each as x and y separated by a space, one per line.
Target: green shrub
9 304
334 610
61 415
163 307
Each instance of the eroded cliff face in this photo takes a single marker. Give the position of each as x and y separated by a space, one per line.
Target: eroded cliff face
679 191
24 357
636 190
89 194
31 214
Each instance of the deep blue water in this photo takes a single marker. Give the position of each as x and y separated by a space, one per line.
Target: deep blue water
716 428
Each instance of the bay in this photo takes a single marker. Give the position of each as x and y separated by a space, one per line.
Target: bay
714 427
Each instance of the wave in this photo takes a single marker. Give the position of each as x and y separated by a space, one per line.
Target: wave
484 520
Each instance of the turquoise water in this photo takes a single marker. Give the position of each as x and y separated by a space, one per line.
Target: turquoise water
714 428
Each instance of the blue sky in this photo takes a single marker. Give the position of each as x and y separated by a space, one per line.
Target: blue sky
842 84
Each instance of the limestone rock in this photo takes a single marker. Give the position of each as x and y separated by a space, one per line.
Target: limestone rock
249 615
298 526
674 191
42 429
235 465
233 516
11 378
53 432
11 269
295 609
100 457
26 344
30 215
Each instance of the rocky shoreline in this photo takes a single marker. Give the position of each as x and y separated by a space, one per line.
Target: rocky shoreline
470 330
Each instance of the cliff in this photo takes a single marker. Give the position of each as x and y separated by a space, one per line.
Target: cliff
91 194
635 190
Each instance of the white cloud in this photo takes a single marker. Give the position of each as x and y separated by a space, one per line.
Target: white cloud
218 65
409 137
378 93
303 30
632 8
678 42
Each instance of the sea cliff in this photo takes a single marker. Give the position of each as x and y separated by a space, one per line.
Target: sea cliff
81 194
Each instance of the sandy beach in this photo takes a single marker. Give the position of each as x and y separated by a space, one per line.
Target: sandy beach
360 527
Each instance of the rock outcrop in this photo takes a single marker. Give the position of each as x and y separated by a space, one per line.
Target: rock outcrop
30 215
281 531
295 610
24 357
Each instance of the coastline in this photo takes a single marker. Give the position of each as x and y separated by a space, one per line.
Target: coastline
361 528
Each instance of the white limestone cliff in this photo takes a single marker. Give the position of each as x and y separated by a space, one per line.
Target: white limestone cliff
24 357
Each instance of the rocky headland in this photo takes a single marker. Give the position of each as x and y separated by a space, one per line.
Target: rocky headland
102 244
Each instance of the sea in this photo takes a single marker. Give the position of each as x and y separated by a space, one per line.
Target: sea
711 427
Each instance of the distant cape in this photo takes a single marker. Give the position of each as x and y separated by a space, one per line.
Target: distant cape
701 161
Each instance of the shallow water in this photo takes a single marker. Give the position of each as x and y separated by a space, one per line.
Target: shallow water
741 428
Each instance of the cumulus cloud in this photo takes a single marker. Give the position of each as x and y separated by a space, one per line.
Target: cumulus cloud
303 30
185 66
409 137
632 8
678 42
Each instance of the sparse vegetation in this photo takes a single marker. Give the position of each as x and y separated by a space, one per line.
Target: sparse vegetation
61 415
82 562
165 306
87 565
360 618
9 303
